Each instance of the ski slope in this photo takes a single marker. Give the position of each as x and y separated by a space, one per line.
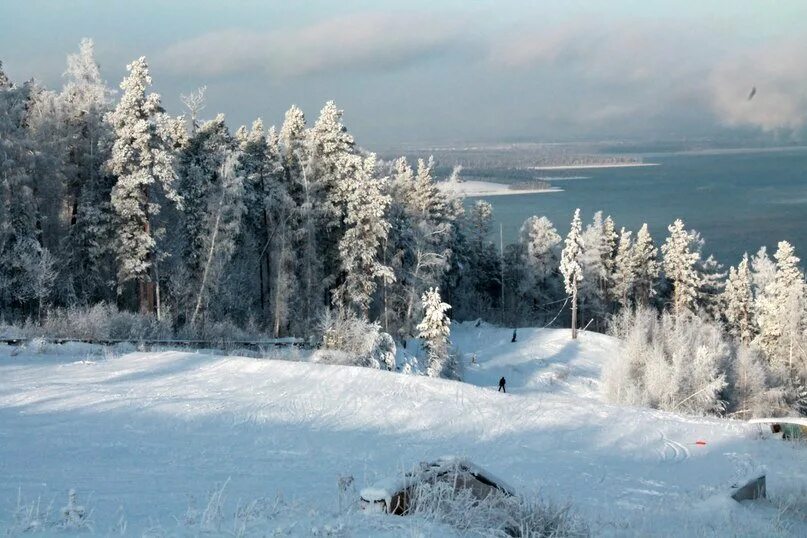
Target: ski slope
145 437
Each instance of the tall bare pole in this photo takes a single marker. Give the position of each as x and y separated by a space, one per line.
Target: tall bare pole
501 264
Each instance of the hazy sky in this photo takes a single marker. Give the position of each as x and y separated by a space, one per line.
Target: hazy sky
439 71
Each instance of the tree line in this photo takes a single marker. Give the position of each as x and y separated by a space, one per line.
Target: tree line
106 198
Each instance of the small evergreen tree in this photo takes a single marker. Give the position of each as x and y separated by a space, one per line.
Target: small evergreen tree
570 266
434 330
681 267
739 300
646 266
623 277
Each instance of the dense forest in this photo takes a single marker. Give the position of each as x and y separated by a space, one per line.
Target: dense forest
114 207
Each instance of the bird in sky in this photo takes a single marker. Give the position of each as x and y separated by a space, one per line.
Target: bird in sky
753 93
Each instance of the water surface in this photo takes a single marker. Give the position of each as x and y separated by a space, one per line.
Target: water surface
738 201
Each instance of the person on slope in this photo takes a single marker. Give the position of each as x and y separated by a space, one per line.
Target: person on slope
502 381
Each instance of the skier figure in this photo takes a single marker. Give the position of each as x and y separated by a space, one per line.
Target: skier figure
514 336
502 381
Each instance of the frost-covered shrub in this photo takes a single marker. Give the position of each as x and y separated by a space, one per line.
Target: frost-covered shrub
497 514
101 322
753 390
38 345
350 339
29 517
689 363
75 516
669 362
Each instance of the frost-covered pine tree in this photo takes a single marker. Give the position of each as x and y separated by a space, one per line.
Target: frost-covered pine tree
427 199
19 240
592 289
646 266
681 267
480 280
780 312
330 168
739 300
86 250
434 330
713 283
282 216
360 246
141 161
623 277
570 266
539 240
608 249
430 245
5 83
213 204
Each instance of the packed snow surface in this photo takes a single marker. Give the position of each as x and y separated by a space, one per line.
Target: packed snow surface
145 437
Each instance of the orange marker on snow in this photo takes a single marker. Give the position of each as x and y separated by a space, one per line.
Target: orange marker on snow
700 442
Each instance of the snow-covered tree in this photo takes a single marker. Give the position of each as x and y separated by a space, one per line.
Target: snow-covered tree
646 265
608 250
570 266
331 167
19 236
87 248
595 260
39 266
5 83
434 330
430 246
749 392
677 363
624 275
681 267
539 240
781 312
141 160
477 288
360 246
739 300
713 283
212 195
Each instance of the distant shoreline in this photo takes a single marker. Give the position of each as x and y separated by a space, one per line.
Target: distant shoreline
592 166
488 188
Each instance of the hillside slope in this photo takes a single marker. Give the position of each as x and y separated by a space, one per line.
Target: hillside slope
148 431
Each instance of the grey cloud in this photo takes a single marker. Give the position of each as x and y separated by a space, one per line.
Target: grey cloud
359 42
779 72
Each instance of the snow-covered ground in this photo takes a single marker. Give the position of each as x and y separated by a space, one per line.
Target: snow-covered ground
144 437
487 188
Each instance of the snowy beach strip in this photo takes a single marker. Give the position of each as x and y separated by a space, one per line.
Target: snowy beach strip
593 166
487 188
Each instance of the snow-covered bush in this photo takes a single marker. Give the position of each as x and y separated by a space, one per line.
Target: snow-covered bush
29 516
38 345
497 514
351 339
753 390
101 322
689 363
669 362
74 515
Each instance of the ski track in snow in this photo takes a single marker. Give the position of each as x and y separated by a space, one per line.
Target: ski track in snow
147 430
